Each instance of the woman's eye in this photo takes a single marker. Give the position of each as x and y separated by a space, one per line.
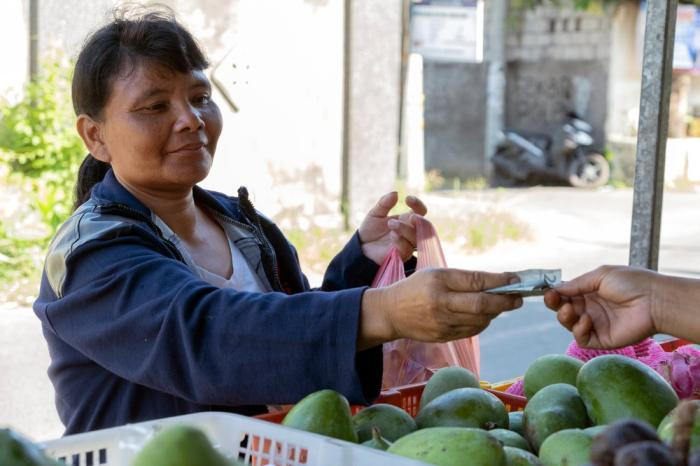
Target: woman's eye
202 99
156 107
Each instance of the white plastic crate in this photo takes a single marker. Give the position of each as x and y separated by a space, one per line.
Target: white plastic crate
250 440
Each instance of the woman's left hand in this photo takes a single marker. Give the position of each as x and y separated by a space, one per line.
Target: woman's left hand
380 231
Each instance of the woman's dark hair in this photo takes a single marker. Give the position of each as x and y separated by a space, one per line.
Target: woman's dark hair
152 35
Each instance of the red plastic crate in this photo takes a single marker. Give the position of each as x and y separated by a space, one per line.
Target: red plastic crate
407 397
674 343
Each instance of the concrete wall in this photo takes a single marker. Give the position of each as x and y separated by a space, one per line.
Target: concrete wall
374 95
558 59
625 72
455 102
14 24
539 95
285 142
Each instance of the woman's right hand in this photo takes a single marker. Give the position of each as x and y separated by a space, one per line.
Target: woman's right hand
433 305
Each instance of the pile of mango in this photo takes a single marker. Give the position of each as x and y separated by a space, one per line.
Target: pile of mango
17 450
577 414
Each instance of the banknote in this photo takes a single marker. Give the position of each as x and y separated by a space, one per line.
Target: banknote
533 282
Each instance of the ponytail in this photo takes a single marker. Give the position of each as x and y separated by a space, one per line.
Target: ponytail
91 172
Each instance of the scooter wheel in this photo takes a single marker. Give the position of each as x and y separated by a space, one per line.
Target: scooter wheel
589 171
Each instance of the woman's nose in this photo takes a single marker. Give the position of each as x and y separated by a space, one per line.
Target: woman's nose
189 119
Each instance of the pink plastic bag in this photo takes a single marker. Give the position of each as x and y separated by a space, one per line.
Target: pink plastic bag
680 368
407 361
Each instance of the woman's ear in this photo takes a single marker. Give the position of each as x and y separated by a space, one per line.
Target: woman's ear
91 133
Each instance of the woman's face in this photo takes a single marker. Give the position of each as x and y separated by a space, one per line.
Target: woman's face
160 128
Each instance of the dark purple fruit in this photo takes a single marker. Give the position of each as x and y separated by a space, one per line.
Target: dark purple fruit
617 435
646 453
694 458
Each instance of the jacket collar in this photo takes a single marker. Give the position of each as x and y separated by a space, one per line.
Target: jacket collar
110 191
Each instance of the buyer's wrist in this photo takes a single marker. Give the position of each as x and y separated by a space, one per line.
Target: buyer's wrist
668 296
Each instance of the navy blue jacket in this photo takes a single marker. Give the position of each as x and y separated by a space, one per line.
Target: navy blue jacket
134 334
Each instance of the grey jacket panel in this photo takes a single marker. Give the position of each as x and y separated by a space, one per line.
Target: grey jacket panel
86 224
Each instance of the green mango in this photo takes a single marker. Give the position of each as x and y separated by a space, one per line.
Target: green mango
181 445
445 380
665 429
518 457
555 407
324 412
511 439
595 430
16 450
451 446
464 407
615 387
550 369
515 422
392 421
377 441
568 447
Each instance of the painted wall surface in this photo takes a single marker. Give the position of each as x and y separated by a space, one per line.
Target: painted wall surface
284 143
558 59
373 115
14 25
282 64
455 105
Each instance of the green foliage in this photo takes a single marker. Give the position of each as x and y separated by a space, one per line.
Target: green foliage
40 153
480 230
20 265
39 143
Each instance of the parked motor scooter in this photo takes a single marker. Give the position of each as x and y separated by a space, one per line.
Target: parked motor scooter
529 159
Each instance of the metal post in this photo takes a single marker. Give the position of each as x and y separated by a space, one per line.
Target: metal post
33 39
345 156
496 81
653 132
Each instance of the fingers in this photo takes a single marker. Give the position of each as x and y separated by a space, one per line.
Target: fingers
465 280
552 299
487 305
384 205
403 245
403 229
586 283
567 317
416 205
582 330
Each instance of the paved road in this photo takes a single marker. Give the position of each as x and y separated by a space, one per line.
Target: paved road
572 230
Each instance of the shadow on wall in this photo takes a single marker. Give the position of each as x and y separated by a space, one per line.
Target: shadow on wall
305 198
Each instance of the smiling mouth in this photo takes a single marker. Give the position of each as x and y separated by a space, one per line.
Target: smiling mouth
190 147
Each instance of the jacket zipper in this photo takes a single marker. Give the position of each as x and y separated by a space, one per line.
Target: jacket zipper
260 236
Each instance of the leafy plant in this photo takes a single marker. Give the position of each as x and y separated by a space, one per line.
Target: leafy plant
40 152
39 143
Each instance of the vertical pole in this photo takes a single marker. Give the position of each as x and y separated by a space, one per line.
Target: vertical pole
33 39
653 132
345 156
496 80
401 162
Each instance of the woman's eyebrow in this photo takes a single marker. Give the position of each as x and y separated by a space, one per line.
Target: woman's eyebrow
148 93
200 82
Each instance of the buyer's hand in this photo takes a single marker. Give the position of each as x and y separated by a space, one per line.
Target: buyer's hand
607 308
380 231
433 305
